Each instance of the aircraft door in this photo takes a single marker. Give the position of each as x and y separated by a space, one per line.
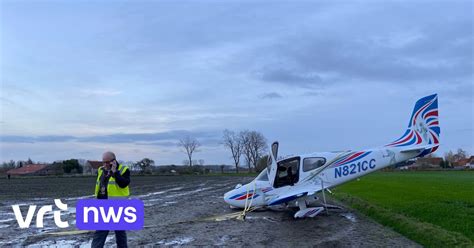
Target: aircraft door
272 164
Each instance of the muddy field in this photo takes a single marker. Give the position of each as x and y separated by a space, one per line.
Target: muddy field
181 211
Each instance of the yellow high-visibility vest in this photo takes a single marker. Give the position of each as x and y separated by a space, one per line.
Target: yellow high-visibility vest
113 189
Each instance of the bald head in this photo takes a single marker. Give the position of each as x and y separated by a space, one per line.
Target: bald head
108 156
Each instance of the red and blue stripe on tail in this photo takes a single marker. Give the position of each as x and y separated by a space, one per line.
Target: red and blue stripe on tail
423 128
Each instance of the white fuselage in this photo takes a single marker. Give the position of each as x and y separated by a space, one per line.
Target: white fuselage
301 177
262 193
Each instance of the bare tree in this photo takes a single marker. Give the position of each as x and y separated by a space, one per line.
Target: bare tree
246 147
7 165
145 165
451 157
234 143
258 146
448 158
460 154
190 146
11 164
254 145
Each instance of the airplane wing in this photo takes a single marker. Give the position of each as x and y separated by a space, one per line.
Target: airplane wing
292 194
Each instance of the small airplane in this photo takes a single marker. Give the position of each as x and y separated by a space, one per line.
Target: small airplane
295 180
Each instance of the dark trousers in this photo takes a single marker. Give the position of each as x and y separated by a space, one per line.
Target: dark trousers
99 239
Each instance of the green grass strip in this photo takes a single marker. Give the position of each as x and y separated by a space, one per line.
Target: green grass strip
424 233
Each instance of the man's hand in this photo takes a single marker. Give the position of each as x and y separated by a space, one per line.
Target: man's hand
114 166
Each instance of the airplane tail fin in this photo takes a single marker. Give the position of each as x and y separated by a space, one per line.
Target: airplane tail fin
423 129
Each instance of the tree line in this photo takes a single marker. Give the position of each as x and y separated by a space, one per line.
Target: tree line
12 164
58 167
246 144
451 157
251 145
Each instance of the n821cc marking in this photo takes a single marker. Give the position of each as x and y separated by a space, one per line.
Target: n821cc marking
354 168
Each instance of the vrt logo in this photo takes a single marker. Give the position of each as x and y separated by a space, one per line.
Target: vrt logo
25 222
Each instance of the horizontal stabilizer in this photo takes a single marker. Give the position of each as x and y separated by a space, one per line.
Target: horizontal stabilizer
417 148
308 212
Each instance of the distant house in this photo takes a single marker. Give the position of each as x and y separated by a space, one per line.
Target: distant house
434 162
405 167
31 170
92 166
462 163
470 164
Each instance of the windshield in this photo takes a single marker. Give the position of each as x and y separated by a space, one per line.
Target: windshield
269 162
263 176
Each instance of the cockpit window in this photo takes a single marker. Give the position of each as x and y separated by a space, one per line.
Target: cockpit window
313 163
263 176
287 172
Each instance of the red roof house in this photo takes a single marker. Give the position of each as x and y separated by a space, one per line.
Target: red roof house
430 162
462 162
31 169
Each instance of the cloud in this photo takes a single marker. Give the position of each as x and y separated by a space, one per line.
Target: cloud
6 101
146 137
99 92
287 76
405 45
163 138
212 68
159 143
271 95
312 93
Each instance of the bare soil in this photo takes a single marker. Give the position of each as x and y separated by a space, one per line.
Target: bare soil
180 211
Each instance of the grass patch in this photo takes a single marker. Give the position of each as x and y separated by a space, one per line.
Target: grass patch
435 209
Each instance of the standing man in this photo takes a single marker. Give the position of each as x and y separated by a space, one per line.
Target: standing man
112 182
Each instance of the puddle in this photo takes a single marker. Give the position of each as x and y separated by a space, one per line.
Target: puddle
223 240
7 220
65 243
78 197
179 241
168 203
188 192
350 217
159 192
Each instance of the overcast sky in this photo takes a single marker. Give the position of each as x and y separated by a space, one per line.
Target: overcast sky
79 78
